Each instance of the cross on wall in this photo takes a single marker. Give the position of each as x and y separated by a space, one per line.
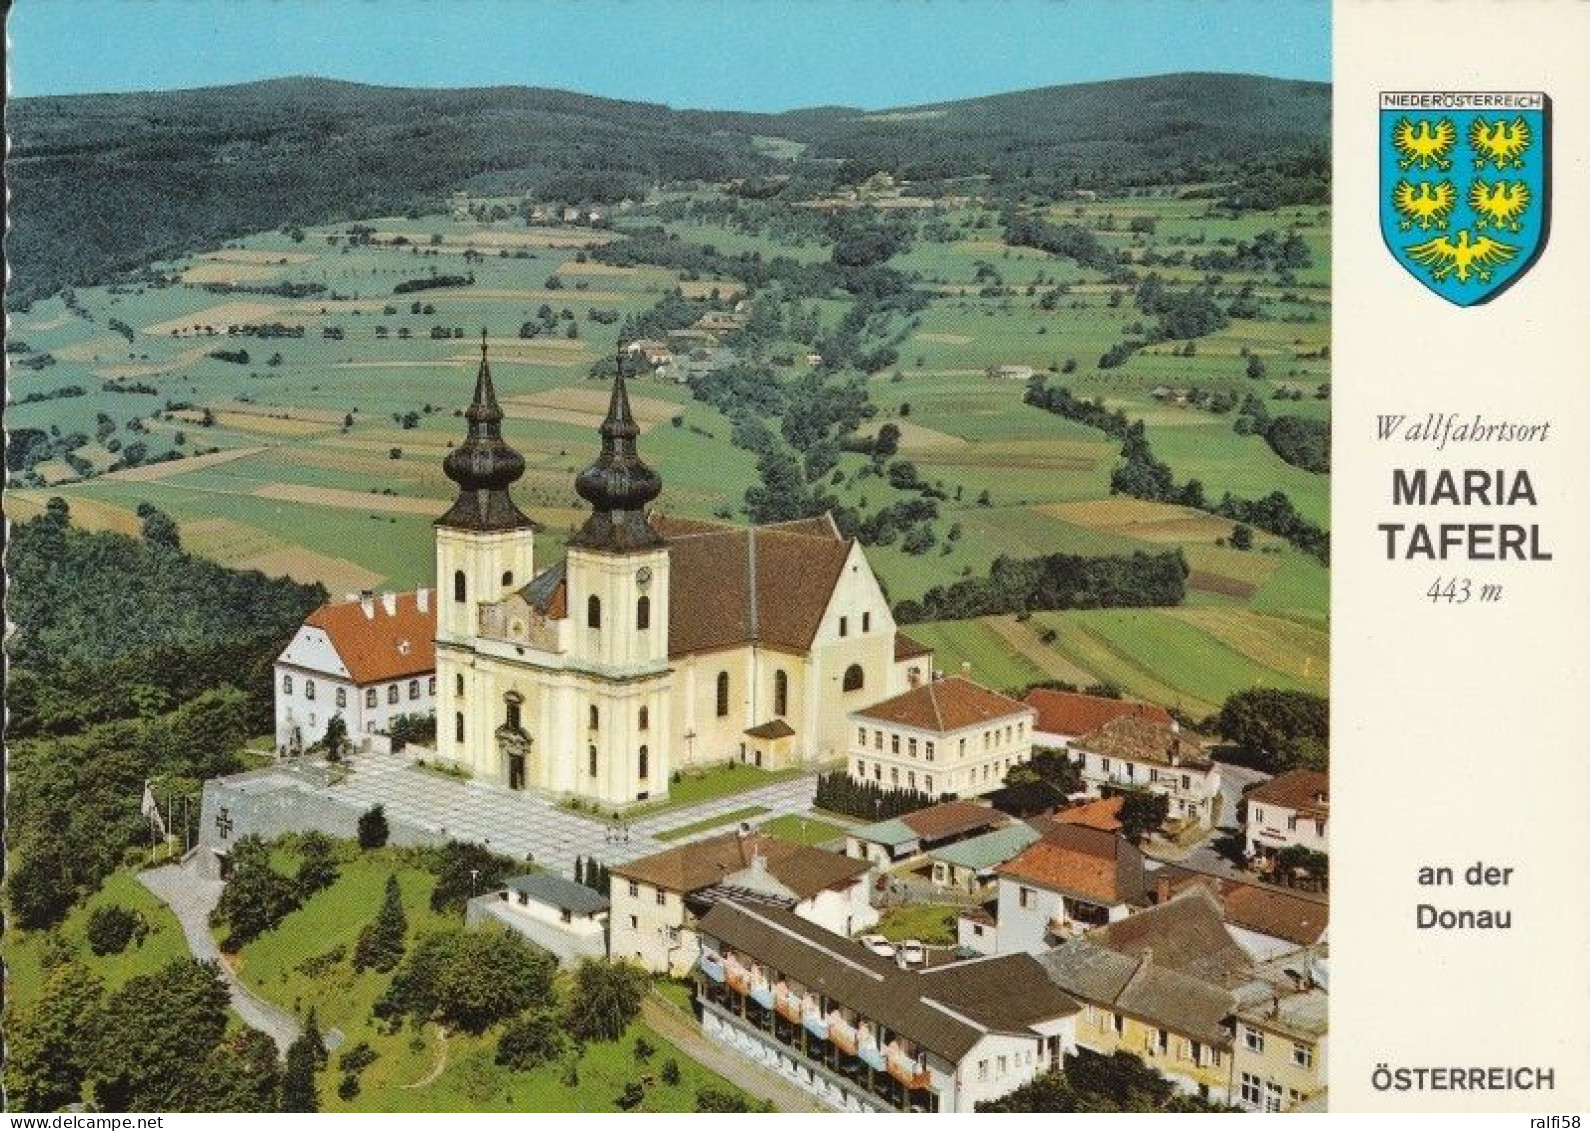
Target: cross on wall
223 823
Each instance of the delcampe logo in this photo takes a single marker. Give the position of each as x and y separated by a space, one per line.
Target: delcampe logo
1465 187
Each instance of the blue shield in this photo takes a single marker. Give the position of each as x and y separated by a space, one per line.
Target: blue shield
1465 187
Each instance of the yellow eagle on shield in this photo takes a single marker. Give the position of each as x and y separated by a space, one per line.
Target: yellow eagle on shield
1499 143
1500 205
1425 144
1461 256
1427 203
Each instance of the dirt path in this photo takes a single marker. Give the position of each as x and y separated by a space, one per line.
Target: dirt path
1025 643
682 1030
441 1062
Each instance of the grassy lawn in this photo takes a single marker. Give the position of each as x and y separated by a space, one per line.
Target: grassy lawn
729 818
297 966
931 923
163 942
802 830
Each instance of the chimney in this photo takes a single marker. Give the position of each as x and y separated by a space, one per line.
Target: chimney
352 596
367 603
422 600
389 603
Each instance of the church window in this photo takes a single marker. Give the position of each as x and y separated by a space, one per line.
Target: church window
723 695
595 718
458 683
460 586
643 761
854 678
512 714
780 693
342 697
866 622
643 613
590 755
458 726
645 718
369 697
593 612
414 689
309 689
507 578
287 685
392 693
844 626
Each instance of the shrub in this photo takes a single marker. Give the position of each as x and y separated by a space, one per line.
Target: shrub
373 830
530 1041
112 928
604 999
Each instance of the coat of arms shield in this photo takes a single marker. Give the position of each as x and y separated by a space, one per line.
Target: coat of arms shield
1465 187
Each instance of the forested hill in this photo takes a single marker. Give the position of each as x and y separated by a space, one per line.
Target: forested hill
105 183
1182 126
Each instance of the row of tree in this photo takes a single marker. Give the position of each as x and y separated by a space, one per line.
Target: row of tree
1056 581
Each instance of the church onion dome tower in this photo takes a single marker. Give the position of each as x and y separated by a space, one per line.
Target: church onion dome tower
484 465
618 485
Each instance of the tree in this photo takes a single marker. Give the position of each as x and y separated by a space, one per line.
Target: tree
154 1036
381 943
336 739
373 830
49 1044
469 979
530 1041
463 871
1242 537
160 529
299 1092
317 863
256 897
604 998
1142 812
1275 730
1256 368
112 927
710 1099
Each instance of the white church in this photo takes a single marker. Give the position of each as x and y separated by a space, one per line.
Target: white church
653 644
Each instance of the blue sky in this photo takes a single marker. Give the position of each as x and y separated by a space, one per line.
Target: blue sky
718 54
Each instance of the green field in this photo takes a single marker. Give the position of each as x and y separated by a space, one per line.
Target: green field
801 829
338 486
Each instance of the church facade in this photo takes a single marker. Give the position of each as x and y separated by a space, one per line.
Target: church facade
654 644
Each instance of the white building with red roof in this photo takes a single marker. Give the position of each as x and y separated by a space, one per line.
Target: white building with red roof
369 659
1064 716
943 736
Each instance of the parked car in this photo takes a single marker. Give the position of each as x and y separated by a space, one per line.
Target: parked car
912 952
879 945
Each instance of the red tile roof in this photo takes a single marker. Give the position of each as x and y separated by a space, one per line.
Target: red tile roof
952 818
796 566
1138 739
803 869
1098 866
1071 713
377 645
1306 791
1105 814
945 705
907 649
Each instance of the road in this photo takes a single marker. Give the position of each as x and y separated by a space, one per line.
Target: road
192 897
682 1030
1204 856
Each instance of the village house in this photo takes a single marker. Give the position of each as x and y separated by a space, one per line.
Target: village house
1266 920
369 659
971 866
558 915
1280 1043
1074 878
942 736
1160 985
903 840
1064 716
1290 810
658 900
860 1032
1134 752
